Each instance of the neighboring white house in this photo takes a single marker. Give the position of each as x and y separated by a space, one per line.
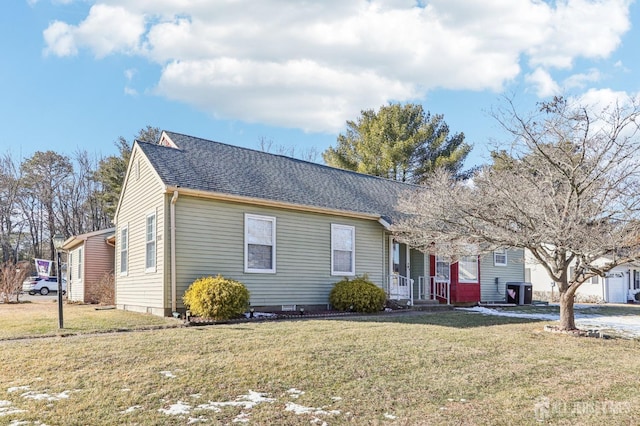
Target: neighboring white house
620 285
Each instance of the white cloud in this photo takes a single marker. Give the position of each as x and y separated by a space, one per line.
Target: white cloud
60 39
581 28
106 30
129 73
543 83
581 80
600 99
312 65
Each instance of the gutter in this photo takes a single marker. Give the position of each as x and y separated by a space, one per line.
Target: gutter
174 199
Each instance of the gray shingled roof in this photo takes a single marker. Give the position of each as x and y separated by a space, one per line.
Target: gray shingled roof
215 167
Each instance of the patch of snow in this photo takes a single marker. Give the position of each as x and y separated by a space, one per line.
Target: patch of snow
256 397
316 420
45 396
245 401
390 416
628 326
241 418
176 409
19 423
301 409
486 311
131 409
196 395
211 406
336 398
125 390
168 374
17 388
7 409
194 420
295 393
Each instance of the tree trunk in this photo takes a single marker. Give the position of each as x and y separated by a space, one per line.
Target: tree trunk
567 318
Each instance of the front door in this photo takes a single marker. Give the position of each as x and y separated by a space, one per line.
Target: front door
399 271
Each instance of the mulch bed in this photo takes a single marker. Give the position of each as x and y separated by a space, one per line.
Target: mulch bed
577 333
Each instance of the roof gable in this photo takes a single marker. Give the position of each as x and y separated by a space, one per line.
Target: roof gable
213 167
76 240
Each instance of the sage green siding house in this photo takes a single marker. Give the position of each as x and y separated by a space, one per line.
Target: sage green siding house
286 228
498 268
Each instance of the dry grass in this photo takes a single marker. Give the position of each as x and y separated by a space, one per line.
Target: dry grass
441 368
41 319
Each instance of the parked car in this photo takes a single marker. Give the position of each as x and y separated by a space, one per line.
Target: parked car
44 286
28 283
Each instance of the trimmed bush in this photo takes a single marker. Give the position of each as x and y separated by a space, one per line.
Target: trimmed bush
358 294
218 298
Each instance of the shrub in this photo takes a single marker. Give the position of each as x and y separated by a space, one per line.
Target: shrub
218 298
358 294
104 290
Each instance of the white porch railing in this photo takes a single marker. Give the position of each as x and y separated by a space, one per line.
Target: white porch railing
399 287
435 289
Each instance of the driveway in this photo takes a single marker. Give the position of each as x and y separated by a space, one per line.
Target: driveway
51 297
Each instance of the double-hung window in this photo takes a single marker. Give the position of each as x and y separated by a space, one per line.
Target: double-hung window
150 259
443 269
343 243
468 269
124 250
500 257
259 244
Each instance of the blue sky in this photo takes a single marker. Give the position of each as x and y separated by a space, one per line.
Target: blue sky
77 74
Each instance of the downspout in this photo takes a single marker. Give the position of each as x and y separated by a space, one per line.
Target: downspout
174 199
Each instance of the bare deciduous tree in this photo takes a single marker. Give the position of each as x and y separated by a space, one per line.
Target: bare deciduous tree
568 191
11 276
11 222
267 145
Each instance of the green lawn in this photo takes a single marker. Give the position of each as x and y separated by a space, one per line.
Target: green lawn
435 368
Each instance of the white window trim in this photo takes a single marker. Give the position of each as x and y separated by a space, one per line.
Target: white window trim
352 229
126 271
501 252
70 267
155 242
80 262
271 219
